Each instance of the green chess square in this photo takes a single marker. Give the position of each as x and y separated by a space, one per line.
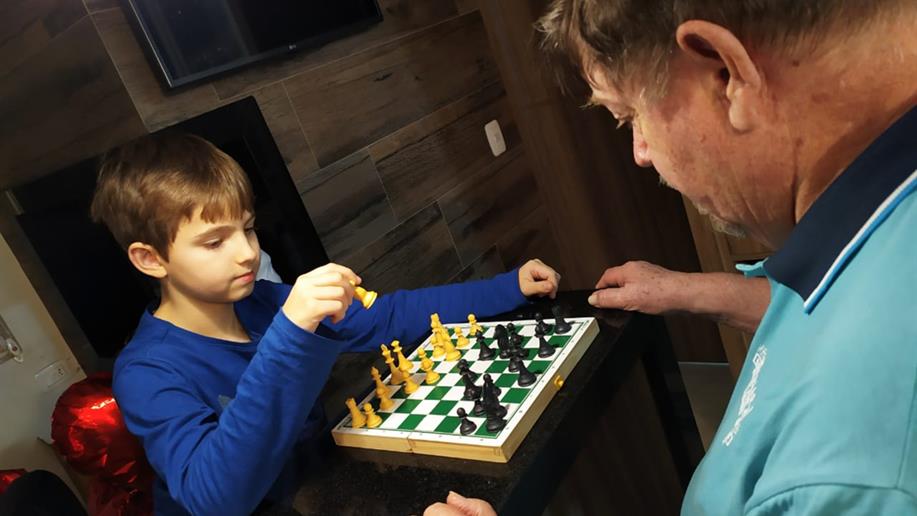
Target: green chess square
498 366
539 366
407 406
559 341
448 425
444 407
482 431
411 422
506 380
514 395
399 394
437 393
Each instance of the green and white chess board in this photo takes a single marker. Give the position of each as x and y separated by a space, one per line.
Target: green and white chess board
426 421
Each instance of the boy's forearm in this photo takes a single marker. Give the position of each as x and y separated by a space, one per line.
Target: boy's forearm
729 298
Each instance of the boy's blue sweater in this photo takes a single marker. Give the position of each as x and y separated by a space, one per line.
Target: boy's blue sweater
219 419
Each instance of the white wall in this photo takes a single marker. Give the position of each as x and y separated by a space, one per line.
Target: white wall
26 405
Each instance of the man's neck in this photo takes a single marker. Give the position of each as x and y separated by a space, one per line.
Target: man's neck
851 95
217 320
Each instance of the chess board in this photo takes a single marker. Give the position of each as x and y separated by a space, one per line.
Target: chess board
425 421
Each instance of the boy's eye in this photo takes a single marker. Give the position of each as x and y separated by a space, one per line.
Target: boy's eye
250 229
213 244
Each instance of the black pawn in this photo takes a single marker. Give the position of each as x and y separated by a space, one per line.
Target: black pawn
541 328
526 377
489 385
467 426
514 363
544 349
464 369
485 353
560 325
472 391
511 328
516 340
478 409
495 424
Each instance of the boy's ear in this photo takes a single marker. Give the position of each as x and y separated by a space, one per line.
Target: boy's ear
146 259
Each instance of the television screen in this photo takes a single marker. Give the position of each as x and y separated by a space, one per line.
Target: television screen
192 39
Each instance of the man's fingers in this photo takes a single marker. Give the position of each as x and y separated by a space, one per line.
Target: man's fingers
607 298
612 277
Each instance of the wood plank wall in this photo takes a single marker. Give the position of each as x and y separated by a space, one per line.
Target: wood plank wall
382 133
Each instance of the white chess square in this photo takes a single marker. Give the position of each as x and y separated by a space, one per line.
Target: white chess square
429 423
455 393
422 392
425 407
393 420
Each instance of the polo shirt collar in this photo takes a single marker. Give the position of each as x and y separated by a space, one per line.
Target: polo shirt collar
850 209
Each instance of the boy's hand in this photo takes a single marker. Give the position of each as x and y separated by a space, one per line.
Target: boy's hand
538 279
324 292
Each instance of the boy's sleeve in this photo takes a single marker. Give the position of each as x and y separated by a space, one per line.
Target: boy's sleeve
831 499
405 314
225 464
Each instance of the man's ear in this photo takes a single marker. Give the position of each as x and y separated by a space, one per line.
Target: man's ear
712 46
146 259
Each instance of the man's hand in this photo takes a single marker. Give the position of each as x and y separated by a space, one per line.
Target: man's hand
324 292
538 279
458 505
640 287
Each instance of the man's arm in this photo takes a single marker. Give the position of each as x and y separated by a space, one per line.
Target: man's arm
724 297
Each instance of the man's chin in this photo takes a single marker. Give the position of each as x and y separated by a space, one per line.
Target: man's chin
729 228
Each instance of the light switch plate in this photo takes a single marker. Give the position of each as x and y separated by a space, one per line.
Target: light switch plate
495 137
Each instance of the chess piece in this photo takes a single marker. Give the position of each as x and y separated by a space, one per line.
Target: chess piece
396 377
426 365
461 341
385 402
544 348
526 377
451 352
514 362
372 419
484 352
510 329
410 386
357 419
541 326
504 347
478 409
560 325
434 321
490 385
405 365
495 421
464 368
365 297
472 391
474 327
515 340
467 426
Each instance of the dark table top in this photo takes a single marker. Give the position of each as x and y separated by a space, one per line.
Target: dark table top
343 481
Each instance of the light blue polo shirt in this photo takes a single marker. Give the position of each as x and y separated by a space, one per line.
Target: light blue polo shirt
823 419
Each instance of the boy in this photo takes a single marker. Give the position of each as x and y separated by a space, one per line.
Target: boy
220 380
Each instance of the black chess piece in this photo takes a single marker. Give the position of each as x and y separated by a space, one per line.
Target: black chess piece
478 409
560 325
467 426
484 352
544 348
499 330
526 377
514 362
495 424
521 353
515 340
489 386
504 346
464 369
541 327
472 391
510 328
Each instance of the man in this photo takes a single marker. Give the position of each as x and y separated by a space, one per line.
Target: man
791 121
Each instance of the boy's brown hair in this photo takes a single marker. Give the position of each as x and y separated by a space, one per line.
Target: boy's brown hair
146 187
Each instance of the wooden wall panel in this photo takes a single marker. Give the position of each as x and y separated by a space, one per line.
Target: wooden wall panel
352 102
28 26
431 156
485 266
63 104
400 17
531 238
347 204
415 254
278 113
488 205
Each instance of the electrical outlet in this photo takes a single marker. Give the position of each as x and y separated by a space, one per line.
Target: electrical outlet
495 137
54 373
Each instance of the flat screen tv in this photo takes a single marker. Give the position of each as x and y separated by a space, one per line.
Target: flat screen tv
188 40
